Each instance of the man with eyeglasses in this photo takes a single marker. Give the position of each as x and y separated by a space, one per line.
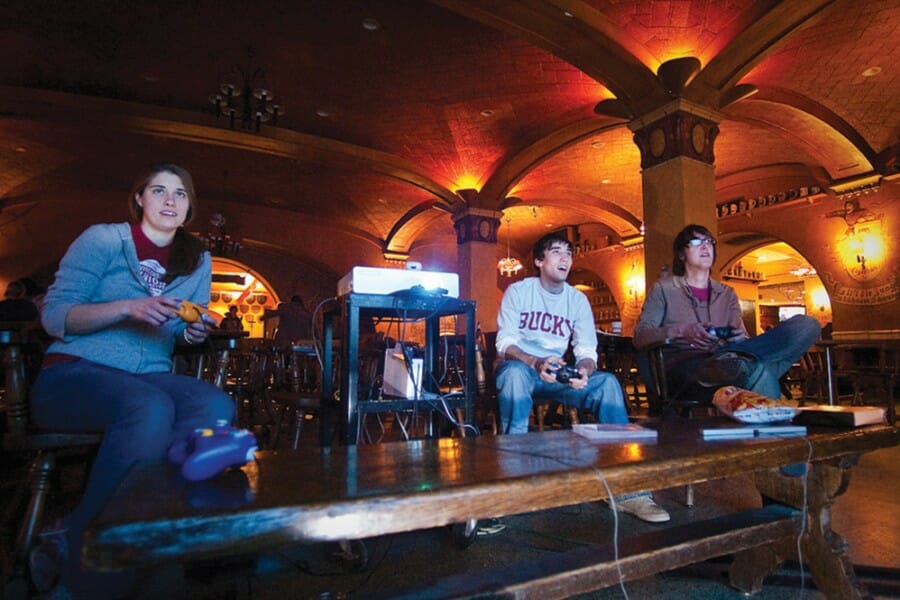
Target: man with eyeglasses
699 320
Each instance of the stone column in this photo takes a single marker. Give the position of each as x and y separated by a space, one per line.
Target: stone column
676 144
476 236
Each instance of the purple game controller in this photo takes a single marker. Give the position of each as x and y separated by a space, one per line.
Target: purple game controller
208 451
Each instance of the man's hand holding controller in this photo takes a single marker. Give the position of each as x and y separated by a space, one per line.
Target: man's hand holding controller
557 371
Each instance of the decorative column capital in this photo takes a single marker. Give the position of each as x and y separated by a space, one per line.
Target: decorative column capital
679 133
475 225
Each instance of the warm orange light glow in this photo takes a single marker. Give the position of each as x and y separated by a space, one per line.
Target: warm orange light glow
249 292
635 286
819 298
863 250
509 266
603 93
679 52
468 182
449 448
634 451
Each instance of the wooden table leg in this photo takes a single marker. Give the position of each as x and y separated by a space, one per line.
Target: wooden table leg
824 551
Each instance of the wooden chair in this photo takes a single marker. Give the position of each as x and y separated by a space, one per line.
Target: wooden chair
542 407
814 380
687 401
666 403
486 392
486 398
21 436
617 355
298 394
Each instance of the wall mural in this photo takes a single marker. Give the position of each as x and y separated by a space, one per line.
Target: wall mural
863 251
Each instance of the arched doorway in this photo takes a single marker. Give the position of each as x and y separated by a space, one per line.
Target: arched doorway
603 302
236 284
778 282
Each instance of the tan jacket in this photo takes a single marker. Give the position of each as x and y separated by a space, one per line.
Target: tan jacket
670 302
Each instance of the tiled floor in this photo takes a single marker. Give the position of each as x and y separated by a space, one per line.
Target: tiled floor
868 516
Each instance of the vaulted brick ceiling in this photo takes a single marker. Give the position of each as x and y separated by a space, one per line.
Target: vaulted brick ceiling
381 127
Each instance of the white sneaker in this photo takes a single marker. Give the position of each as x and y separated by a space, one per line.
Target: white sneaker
644 508
490 527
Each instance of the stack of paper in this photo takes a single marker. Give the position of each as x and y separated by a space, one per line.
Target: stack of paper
615 433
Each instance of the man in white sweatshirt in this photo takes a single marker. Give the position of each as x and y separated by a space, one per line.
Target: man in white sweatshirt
539 317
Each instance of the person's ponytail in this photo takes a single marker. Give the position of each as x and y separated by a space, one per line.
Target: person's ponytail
184 255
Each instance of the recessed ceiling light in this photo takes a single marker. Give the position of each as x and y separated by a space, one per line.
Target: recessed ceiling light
370 24
597 144
604 181
487 113
548 225
568 14
21 149
871 72
323 112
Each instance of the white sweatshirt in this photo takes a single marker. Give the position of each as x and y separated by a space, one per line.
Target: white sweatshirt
541 323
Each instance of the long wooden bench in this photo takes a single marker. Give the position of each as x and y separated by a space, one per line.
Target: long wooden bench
357 492
588 568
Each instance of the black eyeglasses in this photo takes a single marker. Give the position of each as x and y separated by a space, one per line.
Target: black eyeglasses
697 242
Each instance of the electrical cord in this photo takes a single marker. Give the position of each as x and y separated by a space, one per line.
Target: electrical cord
612 506
804 519
316 342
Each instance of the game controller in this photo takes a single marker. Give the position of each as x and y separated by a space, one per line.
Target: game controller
210 450
565 373
723 333
191 313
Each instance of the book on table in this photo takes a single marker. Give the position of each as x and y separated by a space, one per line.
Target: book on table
839 416
753 430
609 432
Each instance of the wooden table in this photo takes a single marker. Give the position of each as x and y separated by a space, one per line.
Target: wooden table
352 492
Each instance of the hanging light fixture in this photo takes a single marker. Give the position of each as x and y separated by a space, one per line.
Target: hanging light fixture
246 99
509 266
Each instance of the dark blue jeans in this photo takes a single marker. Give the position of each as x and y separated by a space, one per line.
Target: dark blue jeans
139 415
775 351
517 383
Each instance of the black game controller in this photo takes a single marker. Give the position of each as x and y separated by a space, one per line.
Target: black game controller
723 333
565 373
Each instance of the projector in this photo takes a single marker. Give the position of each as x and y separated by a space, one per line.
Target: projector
376 280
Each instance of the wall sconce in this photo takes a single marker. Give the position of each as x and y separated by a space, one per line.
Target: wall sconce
635 286
863 250
819 299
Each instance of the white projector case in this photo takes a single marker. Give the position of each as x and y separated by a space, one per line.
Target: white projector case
377 280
